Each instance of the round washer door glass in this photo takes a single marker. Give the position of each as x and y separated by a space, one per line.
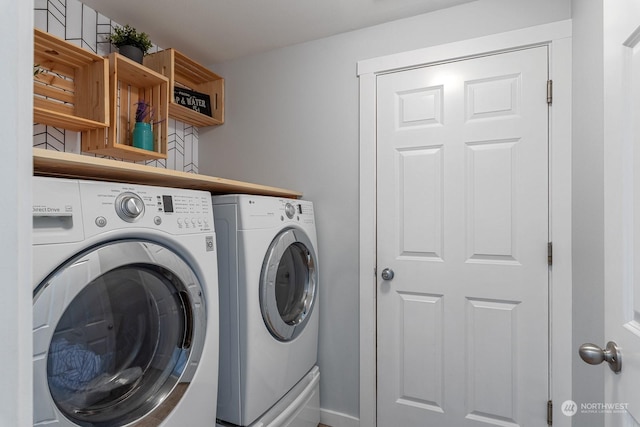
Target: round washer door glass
288 284
133 321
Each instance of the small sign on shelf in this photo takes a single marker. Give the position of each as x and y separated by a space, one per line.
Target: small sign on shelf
200 102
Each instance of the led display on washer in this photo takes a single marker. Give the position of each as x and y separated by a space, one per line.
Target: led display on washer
167 202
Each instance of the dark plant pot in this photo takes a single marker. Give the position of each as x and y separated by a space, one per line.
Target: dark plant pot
132 52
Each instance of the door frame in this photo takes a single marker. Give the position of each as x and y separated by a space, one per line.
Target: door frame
557 36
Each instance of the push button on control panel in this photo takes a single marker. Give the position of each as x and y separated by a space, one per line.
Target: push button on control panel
195 222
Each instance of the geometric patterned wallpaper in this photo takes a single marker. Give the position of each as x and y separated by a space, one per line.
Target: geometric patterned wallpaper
83 26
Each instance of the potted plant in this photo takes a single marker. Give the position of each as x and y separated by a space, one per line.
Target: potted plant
37 70
130 42
142 132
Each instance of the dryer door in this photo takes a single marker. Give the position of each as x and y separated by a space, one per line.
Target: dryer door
288 284
115 329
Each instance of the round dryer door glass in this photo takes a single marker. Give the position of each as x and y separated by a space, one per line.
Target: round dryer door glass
288 284
122 344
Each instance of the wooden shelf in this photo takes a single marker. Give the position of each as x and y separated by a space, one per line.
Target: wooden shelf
71 90
69 165
130 83
183 72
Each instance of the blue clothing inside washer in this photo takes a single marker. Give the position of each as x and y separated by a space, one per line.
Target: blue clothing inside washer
73 366
78 377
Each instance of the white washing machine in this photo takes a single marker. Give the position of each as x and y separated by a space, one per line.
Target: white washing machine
125 305
268 281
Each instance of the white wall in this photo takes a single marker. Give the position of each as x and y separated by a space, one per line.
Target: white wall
16 115
292 121
588 202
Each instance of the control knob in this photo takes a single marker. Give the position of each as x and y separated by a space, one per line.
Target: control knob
289 210
129 207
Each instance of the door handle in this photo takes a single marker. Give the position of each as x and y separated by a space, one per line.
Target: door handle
594 355
387 274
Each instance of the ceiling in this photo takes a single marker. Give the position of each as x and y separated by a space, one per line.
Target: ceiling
212 31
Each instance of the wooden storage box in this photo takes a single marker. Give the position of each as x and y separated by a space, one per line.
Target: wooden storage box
130 83
188 74
71 89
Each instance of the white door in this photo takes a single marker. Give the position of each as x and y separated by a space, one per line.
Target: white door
462 205
622 207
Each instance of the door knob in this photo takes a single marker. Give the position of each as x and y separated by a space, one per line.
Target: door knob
594 355
387 274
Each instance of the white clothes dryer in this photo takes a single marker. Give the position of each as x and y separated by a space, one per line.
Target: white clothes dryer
268 282
125 305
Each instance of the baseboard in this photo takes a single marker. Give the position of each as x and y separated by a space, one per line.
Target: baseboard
336 419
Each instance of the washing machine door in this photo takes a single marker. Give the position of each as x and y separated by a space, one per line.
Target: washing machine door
288 284
117 330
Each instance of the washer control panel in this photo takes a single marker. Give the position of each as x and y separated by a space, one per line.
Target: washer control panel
113 205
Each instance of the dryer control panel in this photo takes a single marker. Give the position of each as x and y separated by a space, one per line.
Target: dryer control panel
296 210
255 212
